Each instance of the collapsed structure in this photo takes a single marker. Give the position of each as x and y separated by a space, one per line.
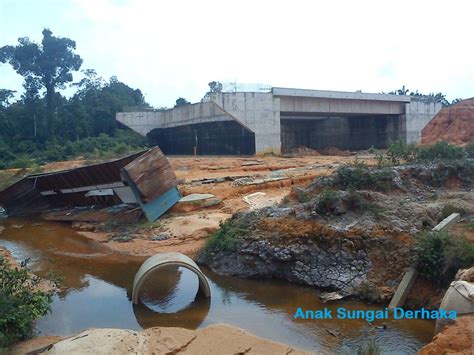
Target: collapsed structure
144 179
250 123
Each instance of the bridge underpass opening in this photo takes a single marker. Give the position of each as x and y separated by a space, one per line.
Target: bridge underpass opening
348 133
211 138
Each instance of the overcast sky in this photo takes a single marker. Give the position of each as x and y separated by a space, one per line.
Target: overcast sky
174 48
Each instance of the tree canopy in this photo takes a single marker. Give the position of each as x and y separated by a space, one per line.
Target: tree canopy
43 123
48 65
438 97
181 101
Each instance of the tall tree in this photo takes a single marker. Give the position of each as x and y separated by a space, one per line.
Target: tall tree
214 87
5 97
48 65
181 101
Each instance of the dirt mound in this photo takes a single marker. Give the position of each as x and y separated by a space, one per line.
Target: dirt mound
455 339
335 151
454 124
304 151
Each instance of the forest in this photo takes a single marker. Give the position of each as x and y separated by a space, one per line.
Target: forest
44 125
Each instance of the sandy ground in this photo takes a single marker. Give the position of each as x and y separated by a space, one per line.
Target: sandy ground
214 339
187 233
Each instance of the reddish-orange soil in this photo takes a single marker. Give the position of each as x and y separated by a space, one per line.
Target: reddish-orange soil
454 124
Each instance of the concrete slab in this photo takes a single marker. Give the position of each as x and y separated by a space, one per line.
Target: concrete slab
194 202
196 197
403 288
451 219
410 276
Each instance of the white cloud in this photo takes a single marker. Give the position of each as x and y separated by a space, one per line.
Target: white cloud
173 48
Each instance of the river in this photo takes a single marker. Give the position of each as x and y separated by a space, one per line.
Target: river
96 292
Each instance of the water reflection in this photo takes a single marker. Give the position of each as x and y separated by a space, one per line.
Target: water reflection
169 297
98 294
190 317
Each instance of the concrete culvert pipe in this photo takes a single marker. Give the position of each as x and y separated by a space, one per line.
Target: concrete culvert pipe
166 259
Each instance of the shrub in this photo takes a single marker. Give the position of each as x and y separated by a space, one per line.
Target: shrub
21 303
438 255
121 148
450 209
226 238
470 225
354 201
470 149
440 151
302 196
22 162
400 151
327 201
363 177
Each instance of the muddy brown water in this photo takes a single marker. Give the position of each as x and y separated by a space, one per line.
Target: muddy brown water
96 292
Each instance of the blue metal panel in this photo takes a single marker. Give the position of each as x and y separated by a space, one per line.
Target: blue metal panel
156 208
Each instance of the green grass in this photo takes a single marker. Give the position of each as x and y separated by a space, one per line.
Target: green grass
227 237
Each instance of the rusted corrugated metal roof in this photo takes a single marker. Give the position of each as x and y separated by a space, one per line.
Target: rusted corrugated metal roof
145 178
144 170
38 192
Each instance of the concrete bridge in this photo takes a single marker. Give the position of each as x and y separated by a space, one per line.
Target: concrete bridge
282 119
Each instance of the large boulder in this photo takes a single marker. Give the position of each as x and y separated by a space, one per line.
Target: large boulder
214 339
454 124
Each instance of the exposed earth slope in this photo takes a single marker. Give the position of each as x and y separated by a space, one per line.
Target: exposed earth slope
453 124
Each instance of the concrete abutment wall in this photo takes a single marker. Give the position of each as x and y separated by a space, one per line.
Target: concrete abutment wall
351 133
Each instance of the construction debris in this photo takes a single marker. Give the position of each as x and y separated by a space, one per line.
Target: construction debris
330 296
196 201
145 179
252 162
260 200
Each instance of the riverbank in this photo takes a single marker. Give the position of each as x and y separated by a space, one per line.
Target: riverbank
44 285
356 242
214 339
457 338
350 233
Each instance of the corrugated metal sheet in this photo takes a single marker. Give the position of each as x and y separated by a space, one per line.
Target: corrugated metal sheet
147 174
39 192
144 170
